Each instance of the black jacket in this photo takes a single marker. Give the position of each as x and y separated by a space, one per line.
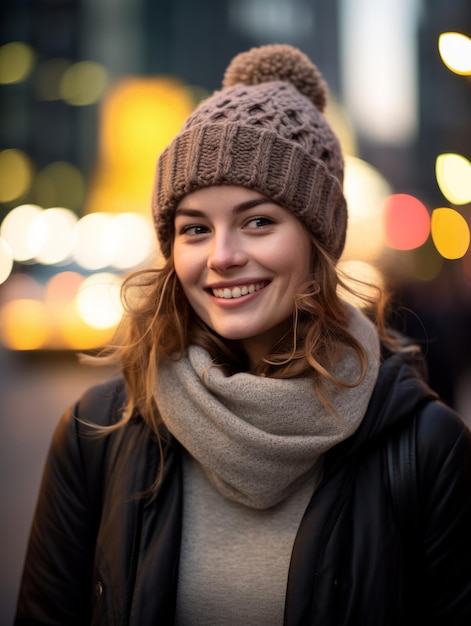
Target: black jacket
103 552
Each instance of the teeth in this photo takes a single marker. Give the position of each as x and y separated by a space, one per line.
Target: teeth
239 291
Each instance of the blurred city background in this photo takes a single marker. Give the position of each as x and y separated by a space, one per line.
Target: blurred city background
90 93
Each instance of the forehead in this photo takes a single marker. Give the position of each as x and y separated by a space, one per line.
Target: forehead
222 195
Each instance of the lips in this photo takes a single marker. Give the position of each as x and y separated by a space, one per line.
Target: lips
238 291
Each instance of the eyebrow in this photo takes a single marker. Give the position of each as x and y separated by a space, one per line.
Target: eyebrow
238 208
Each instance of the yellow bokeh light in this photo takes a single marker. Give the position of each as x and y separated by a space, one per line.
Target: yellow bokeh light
16 174
76 334
6 260
24 325
138 118
71 331
60 184
450 233
16 62
83 83
365 190
98 300
453 173
455 51
16 230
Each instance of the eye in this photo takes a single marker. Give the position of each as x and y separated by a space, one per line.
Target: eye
259 222
193 230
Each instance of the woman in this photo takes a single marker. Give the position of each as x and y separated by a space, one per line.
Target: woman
241 470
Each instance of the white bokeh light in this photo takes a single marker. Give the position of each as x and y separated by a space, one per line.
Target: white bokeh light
6 260
93 248
98 300
51 235
133 238
16 230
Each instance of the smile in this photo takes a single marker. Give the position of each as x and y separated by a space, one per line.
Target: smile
239 291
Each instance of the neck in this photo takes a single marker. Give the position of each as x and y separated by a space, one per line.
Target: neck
259 347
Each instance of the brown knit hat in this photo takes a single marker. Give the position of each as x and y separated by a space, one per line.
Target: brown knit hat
264 130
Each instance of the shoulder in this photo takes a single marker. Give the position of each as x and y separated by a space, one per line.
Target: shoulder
76 431
76 436
440 428
443 444
102 404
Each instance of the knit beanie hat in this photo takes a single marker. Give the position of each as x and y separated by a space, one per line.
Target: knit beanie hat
264 130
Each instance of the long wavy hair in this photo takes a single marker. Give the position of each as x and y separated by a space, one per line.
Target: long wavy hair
159 323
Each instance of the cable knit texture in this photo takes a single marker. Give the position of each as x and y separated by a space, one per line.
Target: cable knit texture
258 438
264 130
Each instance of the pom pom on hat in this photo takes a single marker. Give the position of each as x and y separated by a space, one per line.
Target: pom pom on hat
278 62
264 130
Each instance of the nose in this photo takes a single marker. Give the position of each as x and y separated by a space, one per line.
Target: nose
226 252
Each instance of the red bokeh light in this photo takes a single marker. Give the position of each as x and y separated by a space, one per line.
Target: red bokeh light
407 222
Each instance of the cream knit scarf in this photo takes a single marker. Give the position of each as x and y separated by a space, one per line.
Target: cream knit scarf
258 438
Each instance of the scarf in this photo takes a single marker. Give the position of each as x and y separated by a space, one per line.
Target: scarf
258 438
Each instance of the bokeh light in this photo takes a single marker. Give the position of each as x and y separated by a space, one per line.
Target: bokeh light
16 174
92 245
407 222
76 334
72 332
83 83
98 300
139 117
16 62
450 233
365 190
25 325
16 229
453 173
6 260
133 239
455 51
51 235
60 184
62 287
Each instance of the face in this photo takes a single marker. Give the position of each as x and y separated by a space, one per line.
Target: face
240 259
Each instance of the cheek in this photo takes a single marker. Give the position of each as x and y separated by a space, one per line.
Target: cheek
297 259
184 267
190 277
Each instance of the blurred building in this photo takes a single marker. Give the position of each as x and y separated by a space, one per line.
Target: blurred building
374 54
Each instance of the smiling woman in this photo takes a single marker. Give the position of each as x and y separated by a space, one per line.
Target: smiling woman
233 255
241 470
